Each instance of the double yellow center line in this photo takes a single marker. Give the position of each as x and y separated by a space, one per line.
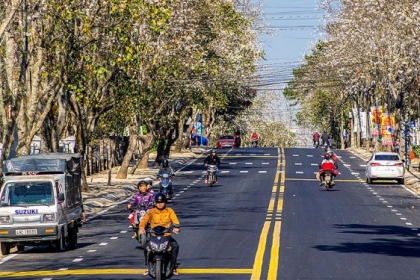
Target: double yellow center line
274 213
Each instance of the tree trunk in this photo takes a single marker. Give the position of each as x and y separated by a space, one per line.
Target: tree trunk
123 170
147 142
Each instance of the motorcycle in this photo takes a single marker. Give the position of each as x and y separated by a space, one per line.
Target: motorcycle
165 185
140 211
237 141
159 258
326 147
316 144
328 180
254 143
211 174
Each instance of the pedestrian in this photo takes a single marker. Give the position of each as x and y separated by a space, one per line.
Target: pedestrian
397 146
105 151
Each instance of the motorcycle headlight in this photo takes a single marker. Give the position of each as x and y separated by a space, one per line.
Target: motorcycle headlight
48 218
4 219
163 246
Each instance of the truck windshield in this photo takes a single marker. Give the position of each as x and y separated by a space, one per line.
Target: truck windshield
27 194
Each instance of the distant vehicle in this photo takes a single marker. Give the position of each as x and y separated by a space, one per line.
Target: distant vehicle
225 141
200 140
333 144
385 165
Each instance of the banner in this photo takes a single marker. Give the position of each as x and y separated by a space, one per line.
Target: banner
375 120
362 122
387 128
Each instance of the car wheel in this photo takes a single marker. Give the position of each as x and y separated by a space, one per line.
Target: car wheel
400 181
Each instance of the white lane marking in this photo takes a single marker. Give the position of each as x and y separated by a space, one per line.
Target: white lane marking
232 163
403 219
65 268
123 231
78 260
243 171
299 172
91 251
310 155
248 163
177 194
46 278
262 171
114 237
103 244
314 163
225 171
363 165
385 201
346 165
265 163
181 191
185 189
398 214
352 157
394 210
409 224
355 173
298 163
7 258
295 155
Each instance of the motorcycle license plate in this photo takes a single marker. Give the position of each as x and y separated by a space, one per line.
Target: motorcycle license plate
26 231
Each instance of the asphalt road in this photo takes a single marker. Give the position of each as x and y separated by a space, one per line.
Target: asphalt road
267 218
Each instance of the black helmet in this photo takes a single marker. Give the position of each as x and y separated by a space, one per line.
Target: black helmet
142 182
165 162
212 151
160 197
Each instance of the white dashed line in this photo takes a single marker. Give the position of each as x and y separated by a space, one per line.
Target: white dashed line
78 260
103 244
295 155
265 163
299 172
403 219
298 163
243 171
225 171
232 163
262 171
309 155
123 231
91 251
248 163
314 164
114 237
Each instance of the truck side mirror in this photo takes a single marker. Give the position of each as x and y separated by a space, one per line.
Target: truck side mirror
60 197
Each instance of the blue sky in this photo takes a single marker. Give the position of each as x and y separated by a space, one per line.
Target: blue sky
295 24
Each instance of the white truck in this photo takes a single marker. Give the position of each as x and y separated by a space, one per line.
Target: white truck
41 201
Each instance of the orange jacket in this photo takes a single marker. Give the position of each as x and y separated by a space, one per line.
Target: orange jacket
165 217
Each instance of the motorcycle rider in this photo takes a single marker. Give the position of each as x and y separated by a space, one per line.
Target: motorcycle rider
327 164
212 159
143 196
165 168
254 137
315 137
324 138
164 216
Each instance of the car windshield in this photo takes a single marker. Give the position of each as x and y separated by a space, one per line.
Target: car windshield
226 137
27 193
387 157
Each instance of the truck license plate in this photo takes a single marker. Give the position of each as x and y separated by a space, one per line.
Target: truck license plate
26 231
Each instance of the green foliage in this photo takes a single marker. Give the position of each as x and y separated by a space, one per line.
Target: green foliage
416 150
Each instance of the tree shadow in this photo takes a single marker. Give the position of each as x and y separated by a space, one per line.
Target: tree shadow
389 240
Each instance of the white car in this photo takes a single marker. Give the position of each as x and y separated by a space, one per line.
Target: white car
385 165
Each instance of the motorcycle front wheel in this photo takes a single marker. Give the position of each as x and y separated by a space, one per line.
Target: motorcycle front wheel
211 179
159 274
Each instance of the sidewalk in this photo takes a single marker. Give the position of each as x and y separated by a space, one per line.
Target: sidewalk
411 177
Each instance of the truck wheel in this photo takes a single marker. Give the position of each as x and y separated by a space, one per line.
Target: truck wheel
60 244
5 248
73 238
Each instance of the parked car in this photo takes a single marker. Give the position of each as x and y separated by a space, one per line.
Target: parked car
225 141
385 165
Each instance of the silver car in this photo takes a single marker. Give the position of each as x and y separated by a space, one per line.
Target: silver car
385 165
